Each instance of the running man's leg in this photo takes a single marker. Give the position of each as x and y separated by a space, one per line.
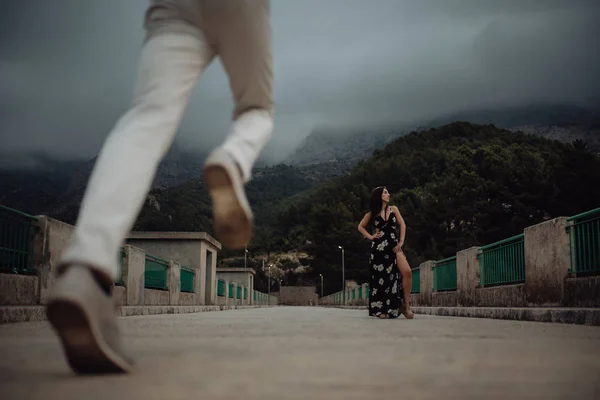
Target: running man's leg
80 307
171 62
243 33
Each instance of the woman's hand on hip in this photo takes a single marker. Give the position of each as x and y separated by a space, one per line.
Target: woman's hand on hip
377 235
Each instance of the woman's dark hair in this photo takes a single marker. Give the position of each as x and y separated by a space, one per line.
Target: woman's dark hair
376 202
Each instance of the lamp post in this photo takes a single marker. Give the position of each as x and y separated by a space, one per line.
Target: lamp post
321 275
343 276
269 282
246 277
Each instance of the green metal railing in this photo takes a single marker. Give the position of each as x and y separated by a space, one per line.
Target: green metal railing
245 293
354 294
231 290
502 262
444 274
187 280
155 273
119 281
220 287
239 293
360 293
584 242
254 296
17 235
416 281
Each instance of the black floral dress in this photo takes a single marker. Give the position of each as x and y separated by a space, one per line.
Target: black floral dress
385 288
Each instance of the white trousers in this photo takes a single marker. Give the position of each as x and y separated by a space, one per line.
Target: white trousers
183 37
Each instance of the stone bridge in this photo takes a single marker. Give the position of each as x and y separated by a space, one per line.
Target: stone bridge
251 347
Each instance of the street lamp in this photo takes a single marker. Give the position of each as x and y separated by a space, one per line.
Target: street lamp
269 281
321 275
246 277
343 276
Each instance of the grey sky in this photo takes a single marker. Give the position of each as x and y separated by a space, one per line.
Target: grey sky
67 66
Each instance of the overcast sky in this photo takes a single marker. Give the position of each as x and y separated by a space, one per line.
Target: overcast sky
67 66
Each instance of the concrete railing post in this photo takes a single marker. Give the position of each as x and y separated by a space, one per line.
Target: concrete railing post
174 282
226 292
199 286
467 276
426 283
235 299
365 300
547 261
134 267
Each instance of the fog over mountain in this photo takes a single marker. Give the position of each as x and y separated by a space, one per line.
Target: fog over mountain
67 68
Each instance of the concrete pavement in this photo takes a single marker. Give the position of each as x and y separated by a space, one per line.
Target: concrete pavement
315 353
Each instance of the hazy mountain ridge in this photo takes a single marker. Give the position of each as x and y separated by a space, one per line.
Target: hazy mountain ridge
565 123
38 184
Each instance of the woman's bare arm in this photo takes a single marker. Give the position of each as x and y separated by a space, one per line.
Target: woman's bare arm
363 224
401 223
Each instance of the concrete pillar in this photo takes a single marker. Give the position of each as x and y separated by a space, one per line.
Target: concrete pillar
426 283
235 299
226 291
467 276
199 289
547 261
208 272
174 282
51 240
133 275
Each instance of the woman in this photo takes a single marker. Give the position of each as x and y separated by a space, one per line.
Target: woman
389 289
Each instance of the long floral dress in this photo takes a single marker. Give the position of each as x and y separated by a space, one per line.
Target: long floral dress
386 293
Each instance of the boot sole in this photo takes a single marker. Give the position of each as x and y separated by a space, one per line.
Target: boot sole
82 342
232 216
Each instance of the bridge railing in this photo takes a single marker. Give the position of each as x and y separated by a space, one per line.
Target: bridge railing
221 288
503 262
155 273
543 265
444 274
416 280
584 242
17 235
186 279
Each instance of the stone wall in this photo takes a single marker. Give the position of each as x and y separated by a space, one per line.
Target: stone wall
187 299
449 299
120 295
19 290
582 292
501 296
153 297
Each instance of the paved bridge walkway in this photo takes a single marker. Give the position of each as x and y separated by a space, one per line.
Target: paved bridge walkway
310 353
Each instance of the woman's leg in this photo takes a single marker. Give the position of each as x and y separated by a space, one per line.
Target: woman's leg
406 273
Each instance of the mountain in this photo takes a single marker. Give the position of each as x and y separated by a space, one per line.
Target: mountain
38 184
31 183
457 186
176 168
565 123
327 146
